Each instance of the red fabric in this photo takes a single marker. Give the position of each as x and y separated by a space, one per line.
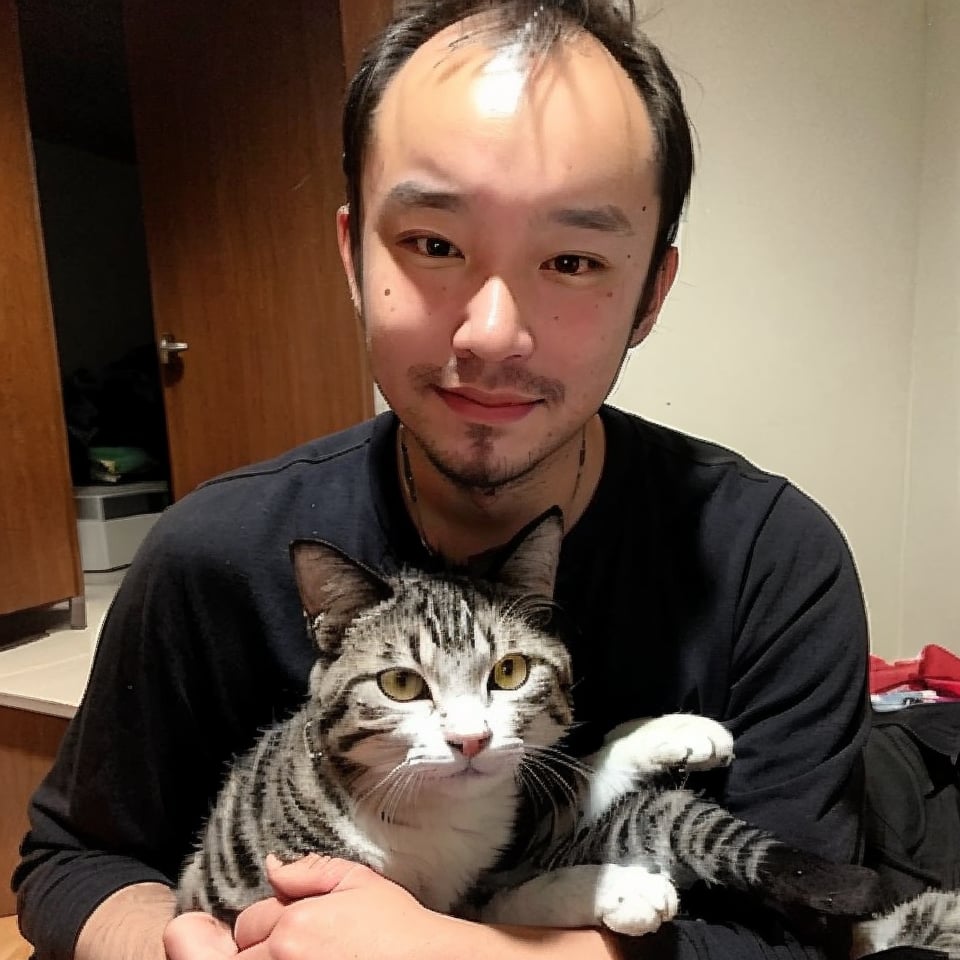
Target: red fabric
935 669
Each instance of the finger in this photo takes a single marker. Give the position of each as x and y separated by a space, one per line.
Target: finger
197 936
256 923
314 875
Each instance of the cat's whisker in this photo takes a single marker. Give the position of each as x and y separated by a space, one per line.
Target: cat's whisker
535 786
568 793
383 784
406 790
411 785
385 806
564 759
401 794
538 770
557 761
389 803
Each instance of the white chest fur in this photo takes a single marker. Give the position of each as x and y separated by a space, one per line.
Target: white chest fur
437 847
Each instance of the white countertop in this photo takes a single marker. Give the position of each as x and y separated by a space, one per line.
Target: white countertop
44 664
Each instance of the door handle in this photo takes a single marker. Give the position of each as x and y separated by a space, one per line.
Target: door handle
170 348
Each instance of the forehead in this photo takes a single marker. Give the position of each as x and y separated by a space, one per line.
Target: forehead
481 116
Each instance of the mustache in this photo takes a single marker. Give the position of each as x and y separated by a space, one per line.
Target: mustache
470 373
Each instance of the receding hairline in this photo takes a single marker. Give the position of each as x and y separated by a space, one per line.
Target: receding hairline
492 29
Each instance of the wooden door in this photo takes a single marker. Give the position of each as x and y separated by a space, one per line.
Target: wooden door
236 107
39 553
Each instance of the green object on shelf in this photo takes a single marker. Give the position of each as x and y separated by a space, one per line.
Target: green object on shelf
112 464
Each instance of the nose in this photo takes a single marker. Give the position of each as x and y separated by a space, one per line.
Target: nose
470 745
492 329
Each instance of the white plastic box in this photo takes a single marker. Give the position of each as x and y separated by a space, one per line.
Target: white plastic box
112 520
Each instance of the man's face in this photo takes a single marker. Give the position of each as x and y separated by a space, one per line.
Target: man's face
509 220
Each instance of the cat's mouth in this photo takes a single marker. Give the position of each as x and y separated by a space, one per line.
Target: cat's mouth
464 771
471 771
460 769
479 768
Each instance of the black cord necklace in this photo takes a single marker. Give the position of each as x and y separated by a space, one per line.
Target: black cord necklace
410 485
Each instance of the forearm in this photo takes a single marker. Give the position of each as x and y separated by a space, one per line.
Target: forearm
128 925
526 943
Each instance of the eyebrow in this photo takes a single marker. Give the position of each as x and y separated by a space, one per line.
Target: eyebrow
411 194
608 219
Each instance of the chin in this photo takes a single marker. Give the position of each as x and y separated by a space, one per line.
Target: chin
471 782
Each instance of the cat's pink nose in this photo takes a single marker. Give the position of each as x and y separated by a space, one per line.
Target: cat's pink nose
470 746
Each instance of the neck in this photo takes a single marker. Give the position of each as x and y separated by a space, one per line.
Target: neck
459 522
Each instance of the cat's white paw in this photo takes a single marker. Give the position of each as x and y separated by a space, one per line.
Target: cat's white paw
633 901
641 748
668 742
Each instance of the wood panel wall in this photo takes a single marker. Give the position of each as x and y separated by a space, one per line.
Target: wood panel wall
28 745
359 22
39 553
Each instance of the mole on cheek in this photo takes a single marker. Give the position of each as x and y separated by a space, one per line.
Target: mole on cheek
386 292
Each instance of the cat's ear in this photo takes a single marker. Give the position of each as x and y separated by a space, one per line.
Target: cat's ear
533 555
332 584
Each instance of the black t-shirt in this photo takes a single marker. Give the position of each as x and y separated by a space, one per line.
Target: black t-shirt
693 582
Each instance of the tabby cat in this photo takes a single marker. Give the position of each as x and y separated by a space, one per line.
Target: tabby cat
437 704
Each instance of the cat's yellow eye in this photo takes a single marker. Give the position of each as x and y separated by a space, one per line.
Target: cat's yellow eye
510 672
401 685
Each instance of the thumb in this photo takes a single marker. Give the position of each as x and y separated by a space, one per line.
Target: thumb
313 875
197 935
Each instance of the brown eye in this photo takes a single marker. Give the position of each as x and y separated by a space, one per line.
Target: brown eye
573 264
567 263
510 672
435 247
401 685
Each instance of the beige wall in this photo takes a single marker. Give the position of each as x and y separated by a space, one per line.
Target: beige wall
791 334
931 557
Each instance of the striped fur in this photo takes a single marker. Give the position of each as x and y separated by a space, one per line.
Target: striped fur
664 838
427 789
930 921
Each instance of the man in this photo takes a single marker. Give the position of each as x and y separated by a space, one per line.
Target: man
515 177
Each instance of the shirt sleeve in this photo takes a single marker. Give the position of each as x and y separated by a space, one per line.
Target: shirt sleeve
798 705
686 939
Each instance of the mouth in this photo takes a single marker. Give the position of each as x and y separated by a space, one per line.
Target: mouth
478 406
468 773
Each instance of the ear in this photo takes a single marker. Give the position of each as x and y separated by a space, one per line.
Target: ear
662 280
332 584
346 254
533 556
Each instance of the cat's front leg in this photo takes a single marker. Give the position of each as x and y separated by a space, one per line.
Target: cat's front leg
626 899
640 748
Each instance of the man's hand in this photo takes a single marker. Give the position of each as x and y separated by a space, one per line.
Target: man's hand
198 936
335 909
331 909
